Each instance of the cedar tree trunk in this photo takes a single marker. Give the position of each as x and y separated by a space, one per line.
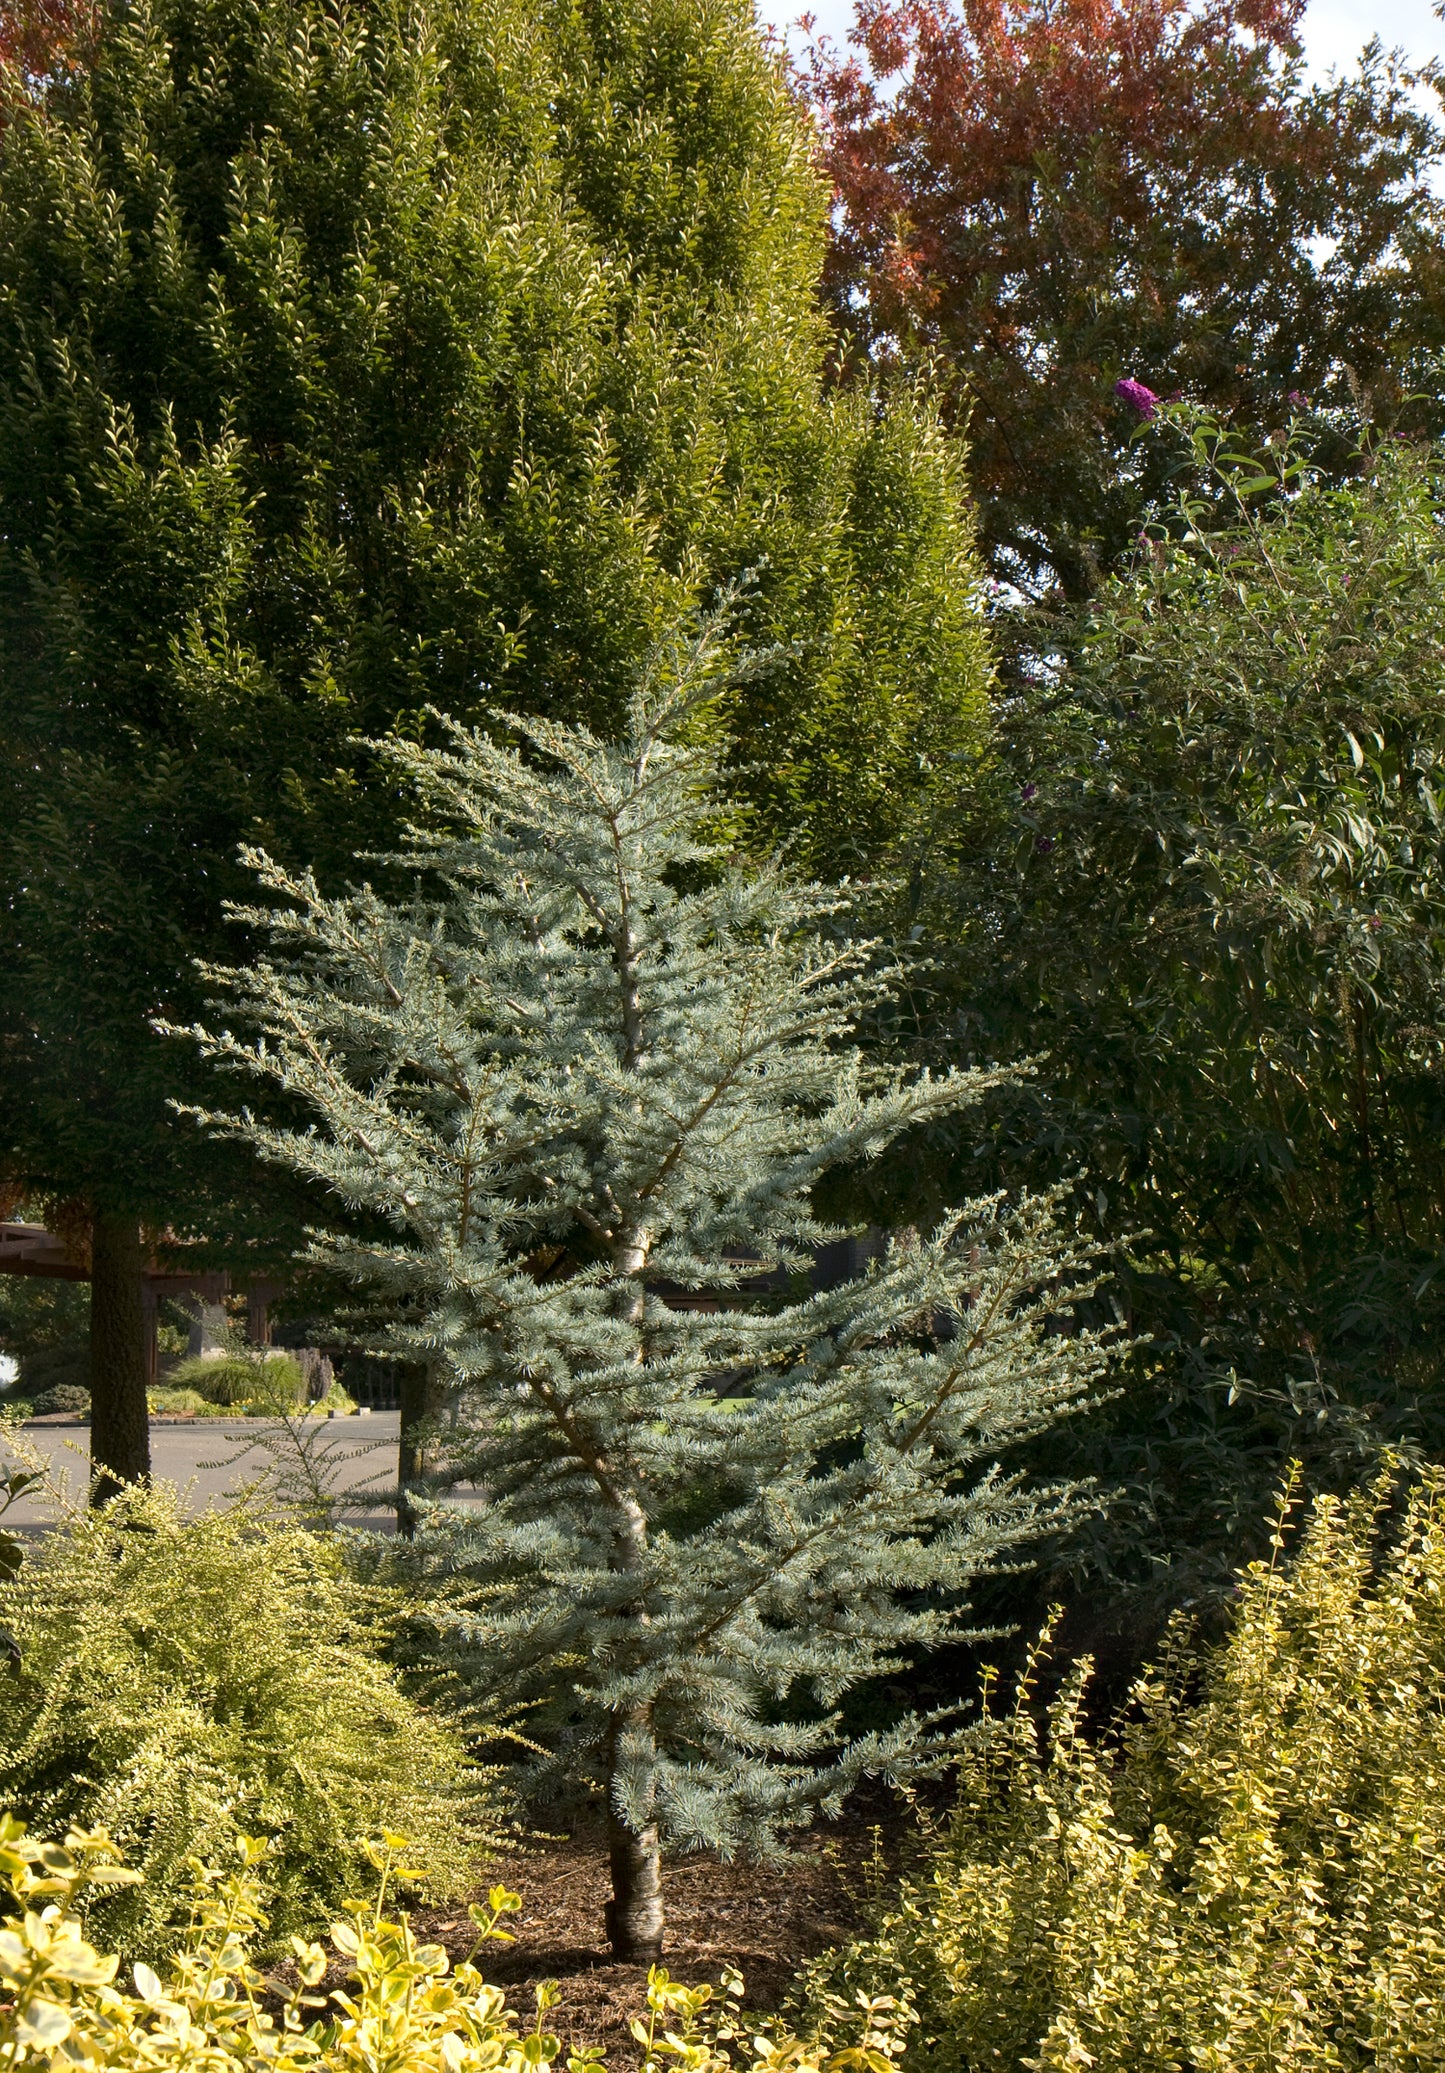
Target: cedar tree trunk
634 1913
120 1439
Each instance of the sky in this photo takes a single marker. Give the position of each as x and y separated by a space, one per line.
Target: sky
1335 30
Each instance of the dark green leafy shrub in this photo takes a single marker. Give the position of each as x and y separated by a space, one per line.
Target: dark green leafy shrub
1202 884
63 1366
66 1396
45 1330
183 1681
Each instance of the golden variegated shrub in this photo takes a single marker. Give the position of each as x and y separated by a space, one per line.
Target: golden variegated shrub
63 2004
1248 1878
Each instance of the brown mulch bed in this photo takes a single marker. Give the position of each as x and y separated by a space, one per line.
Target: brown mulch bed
763 1920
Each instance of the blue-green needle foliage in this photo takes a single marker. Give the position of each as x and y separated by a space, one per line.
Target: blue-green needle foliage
587 1067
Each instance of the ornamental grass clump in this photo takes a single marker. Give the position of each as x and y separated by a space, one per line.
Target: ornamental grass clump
242 1381
181 1681
1250 1875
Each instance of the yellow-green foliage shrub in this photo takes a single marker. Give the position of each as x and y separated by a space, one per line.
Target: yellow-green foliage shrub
184 1680
163 1400
237 1380
404 2010
1250 1877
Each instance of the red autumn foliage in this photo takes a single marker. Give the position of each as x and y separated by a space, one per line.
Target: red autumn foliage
1057 194
34 33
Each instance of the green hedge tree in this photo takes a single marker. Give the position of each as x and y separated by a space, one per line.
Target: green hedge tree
584 1068
356 358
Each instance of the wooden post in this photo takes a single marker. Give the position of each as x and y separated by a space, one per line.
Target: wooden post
150 1304
423 1398
120 1439
259 1297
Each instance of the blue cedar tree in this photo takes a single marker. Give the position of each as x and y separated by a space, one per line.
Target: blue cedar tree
593 1055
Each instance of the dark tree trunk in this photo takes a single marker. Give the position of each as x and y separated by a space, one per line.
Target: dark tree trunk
423 1397
634 1913
120 1439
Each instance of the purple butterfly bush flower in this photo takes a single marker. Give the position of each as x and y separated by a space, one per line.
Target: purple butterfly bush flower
1131 391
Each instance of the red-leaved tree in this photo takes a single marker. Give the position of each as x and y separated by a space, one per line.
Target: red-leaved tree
36 34
1057 196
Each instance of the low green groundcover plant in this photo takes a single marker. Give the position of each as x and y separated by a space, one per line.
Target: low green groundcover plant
182 1680
1249 1875
169 1400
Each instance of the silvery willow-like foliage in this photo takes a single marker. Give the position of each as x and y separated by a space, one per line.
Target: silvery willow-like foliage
589 1064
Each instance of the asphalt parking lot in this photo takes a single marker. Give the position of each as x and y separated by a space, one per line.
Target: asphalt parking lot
213 1459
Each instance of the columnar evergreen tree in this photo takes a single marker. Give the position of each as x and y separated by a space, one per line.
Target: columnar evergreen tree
355 357
591 1061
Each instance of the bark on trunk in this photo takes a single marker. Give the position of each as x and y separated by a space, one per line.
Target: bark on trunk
634 1913
120 1439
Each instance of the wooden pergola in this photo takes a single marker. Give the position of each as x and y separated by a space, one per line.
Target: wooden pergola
31 1249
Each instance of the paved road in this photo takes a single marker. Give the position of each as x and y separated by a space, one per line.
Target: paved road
212 1459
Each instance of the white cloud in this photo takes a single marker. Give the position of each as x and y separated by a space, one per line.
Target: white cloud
1336 31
